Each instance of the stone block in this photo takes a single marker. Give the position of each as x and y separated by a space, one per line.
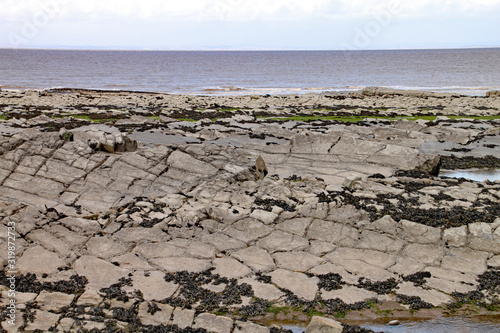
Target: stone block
324 325
213 323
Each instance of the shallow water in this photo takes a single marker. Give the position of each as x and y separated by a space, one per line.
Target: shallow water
478 175
437 325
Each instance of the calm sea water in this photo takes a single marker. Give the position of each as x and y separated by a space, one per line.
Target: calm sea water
469 71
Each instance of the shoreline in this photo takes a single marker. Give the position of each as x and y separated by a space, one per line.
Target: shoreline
246 91
118 192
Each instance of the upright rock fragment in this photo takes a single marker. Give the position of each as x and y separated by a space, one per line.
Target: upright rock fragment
260 168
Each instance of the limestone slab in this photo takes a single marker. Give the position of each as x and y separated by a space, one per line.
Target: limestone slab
183 318
178 264
300 284
100 273
297 260
39 261
465 260
53 301
213 323
104 247
161 316
230 268
324 325
283 241
248 327
256 258
153 285
265 291
349 294
423 253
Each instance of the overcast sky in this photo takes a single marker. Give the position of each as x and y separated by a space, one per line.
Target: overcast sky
249 24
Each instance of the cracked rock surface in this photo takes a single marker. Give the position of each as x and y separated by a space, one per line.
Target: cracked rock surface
165 226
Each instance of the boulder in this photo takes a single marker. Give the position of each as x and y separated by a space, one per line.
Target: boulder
324 325
493 93
101 140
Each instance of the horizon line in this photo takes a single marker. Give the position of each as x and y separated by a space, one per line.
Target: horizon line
239 50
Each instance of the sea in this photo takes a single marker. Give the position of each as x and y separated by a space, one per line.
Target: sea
465 71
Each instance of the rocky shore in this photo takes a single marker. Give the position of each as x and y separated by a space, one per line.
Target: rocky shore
146 212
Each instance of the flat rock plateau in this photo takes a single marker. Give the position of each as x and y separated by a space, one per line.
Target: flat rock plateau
146 212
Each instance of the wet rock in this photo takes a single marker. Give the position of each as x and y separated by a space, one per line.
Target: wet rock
324 325
248 327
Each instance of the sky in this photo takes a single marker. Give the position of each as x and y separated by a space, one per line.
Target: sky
249 24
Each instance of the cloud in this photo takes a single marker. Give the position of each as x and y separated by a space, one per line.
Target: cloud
240 10
291 23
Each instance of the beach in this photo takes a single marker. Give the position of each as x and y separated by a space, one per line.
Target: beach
139 211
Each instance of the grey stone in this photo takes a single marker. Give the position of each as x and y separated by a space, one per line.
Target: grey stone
349 294
260 168
103 247
320 248
419 233
300 284
99 273
43 321
335 233
183 318
222 242
65 324
283 241
178 264
39 261
213 323
158 250
131 261
264 216
376 241
324 325
297 226
160 317
90 297
376 258
248 327
49 242
494 261
248 230
185 162
153 285
483 239
230 268
265 291
465 260
434 297
423 253
297 261
387 225
256 258
53 301
195 248
455 237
